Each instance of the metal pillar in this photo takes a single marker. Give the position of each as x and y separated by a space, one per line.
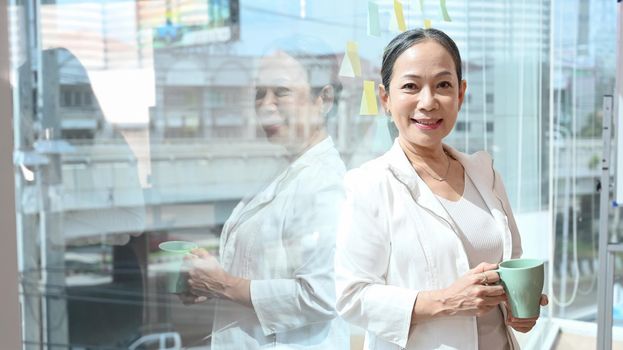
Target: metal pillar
10 320
606 250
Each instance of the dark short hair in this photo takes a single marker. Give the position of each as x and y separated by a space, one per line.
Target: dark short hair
405 40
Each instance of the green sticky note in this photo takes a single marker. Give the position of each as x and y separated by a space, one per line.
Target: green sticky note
444 11
427 24
368 99
374 24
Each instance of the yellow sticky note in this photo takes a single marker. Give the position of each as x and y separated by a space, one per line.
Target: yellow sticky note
400 17
444 11
351 64
427 23
368 99
353 53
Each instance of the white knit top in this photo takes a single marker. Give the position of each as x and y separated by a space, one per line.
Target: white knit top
482 243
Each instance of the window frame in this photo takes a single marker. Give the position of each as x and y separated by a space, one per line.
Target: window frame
10 318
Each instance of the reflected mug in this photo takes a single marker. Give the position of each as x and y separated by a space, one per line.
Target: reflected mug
175 252
522 280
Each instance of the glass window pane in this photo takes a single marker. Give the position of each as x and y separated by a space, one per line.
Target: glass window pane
229 125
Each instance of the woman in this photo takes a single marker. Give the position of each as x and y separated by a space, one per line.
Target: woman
424 225
274 281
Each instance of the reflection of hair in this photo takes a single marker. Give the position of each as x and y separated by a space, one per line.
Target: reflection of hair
68 86
318 60
405 40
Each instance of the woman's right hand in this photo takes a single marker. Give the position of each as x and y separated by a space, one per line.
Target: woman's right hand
471 295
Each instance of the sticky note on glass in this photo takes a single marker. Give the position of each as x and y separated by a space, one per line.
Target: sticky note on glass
444 11
427 23
398 21
351 65
368 99
374 23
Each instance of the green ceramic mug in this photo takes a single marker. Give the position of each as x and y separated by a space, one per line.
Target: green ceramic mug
522 280
174 251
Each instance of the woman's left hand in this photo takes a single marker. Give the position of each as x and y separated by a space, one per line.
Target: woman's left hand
523 325
208 278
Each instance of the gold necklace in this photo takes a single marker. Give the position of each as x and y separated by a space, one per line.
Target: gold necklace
445 176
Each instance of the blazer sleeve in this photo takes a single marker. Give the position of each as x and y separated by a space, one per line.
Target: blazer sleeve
362 261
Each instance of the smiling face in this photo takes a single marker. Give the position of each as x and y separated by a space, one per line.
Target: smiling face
424 96
284 105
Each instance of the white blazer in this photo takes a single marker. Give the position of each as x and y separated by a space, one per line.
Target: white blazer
283 240
395 239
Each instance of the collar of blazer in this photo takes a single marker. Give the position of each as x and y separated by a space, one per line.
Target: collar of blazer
311 157
478 166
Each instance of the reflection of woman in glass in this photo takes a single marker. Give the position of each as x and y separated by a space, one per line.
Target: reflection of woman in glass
274 282
424 225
